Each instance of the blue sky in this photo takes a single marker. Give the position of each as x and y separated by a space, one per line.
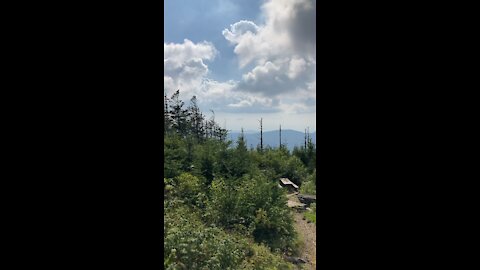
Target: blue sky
245 60
205 20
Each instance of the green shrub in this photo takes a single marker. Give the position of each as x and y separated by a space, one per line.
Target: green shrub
298 246
309 186
187 187
262 258
175 155
255 203
189 244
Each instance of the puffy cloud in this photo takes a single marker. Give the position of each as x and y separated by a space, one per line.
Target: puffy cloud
184 66
290 74
302 26
238 29
295 19
178 53
220 96
185 69
296 67
282 50
252 104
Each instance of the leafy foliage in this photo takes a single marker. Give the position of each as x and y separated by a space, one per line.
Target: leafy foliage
223 208
264 259
310 186
257 206
189 244
311 216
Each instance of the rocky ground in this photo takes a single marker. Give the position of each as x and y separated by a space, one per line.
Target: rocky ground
308 232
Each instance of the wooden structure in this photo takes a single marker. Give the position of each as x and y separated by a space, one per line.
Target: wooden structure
285 182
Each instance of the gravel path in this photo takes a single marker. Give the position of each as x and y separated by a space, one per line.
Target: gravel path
308 232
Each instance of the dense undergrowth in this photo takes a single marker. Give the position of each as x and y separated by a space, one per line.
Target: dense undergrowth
223 208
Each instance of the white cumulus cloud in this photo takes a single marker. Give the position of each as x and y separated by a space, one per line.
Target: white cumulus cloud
282 49
281 54
184 64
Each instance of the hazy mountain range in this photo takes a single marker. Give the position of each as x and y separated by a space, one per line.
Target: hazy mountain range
290 138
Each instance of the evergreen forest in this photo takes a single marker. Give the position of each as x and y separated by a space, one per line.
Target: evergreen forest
223 206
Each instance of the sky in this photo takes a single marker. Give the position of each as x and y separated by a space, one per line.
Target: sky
244 60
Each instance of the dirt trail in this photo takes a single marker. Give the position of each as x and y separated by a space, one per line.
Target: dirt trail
308 232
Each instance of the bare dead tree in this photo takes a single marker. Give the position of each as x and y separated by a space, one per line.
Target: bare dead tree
261 135
280 137
305 139
308 134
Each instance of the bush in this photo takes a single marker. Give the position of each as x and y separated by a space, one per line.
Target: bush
298 246
187 187
175 156
189 244
263 259
309 186
255 203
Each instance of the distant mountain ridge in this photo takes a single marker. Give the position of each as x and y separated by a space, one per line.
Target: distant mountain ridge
290 138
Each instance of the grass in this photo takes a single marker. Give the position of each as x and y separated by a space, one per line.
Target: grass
311 216
298 245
